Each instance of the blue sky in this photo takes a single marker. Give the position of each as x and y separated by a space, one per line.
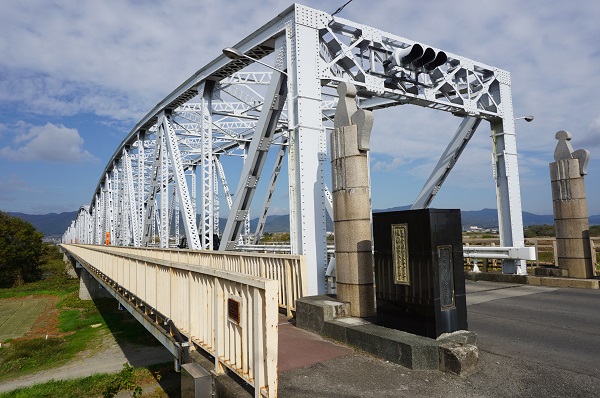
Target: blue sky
76 76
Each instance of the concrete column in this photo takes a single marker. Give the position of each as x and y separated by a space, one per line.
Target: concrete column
570 209
89 288
352 204
70 265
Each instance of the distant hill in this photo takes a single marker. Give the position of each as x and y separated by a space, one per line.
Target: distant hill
49 224
488 218
279 223
56 223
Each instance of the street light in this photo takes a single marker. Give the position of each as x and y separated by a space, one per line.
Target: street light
528 118
234 53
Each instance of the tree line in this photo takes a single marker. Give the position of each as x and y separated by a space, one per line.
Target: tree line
546 230
21 251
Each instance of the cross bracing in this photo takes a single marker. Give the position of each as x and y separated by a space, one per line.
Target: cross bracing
240 111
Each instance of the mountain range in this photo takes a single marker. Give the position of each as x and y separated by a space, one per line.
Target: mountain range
53 224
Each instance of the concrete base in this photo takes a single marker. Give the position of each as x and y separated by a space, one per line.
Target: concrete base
535 280
551 271
563 282
195 381
222 385
326 316
496 277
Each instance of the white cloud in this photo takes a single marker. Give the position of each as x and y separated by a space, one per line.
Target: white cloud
49 143
117 59
113 58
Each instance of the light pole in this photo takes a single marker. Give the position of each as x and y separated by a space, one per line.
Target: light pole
527 118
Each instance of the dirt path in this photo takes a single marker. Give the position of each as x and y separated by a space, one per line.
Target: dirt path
109 359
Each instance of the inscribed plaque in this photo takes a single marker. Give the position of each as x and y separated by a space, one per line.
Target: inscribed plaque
446 278
400 254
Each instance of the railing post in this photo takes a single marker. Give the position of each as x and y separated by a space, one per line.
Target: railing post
593 254
219 344
289 298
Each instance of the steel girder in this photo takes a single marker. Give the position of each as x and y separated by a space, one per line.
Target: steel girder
317 51
256 157
447 161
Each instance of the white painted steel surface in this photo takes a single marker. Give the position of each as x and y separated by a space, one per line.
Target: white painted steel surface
288 270
220 109
500 253
195 298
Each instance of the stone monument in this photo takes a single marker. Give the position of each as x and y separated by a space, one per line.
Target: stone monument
419 272
570 209
352 203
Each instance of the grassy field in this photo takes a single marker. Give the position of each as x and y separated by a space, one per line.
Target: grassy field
18 316
64 328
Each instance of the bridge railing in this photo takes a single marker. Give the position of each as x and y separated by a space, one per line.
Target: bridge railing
231 315
287 269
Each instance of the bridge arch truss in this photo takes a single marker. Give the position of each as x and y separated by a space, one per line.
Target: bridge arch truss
164 180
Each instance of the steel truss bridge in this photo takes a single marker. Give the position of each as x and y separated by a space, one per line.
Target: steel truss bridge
277 101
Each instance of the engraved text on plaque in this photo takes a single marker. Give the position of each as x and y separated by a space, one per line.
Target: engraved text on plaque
400 253
446 279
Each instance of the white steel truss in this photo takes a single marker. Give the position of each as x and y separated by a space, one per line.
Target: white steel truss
227 106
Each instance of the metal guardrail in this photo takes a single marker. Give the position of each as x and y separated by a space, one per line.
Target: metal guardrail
500 252
289 270
230 315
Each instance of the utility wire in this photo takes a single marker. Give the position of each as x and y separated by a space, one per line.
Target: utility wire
341 8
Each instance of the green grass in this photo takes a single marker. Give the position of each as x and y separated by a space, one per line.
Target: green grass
76 317
101 384
56 282
91 386
21 357
18 316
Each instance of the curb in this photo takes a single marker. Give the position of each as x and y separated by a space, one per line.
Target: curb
549 281
455 353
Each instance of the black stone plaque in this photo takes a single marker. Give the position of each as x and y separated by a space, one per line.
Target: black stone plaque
428 297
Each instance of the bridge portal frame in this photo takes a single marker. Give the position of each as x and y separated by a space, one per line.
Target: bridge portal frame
316 51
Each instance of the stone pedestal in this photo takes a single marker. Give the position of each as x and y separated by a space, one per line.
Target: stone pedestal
570 209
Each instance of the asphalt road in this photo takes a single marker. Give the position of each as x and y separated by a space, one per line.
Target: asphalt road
559 328
533 342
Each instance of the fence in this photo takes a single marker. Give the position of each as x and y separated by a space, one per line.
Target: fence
288 270
231 315
545 250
